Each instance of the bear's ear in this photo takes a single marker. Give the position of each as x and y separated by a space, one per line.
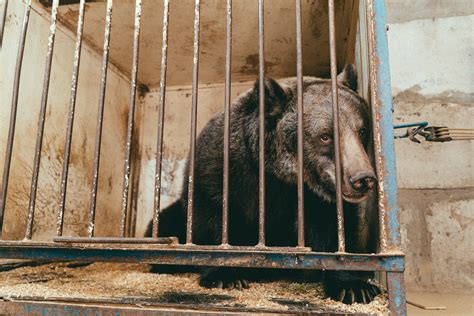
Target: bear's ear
348 77
276 97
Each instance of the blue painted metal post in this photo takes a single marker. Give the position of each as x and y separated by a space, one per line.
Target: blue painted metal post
381 97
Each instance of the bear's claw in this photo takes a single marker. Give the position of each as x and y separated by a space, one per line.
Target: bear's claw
350 292
238 284
223 279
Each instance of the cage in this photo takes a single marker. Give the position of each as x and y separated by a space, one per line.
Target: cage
89 161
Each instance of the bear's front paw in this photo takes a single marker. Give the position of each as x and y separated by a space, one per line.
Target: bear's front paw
223 279
349 292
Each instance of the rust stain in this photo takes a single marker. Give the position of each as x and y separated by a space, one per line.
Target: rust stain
251 65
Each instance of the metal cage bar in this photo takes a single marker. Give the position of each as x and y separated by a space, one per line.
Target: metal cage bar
192 151
337 141
41 120
131 117
13 112
261 125
381 99
225 185
100 118
299 81
161 118
70 119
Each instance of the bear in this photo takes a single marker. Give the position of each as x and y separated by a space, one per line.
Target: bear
358 179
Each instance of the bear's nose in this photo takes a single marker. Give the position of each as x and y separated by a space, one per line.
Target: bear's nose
363 181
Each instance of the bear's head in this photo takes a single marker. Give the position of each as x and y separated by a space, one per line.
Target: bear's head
358 176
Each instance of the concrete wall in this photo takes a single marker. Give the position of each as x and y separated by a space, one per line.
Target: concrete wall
431 58
55 129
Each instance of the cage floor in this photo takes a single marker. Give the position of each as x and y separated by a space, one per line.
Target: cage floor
133 284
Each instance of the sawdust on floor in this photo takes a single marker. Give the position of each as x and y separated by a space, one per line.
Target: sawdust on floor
135 282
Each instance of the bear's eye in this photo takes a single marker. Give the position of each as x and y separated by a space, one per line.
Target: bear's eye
325 138
363 132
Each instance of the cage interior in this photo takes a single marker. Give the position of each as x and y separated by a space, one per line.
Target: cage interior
280 61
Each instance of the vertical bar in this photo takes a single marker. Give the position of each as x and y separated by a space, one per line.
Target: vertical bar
13 111
381 101
381 97
189 228
161 117
335 107
225 197
41 120
396 293
131 116
70 120
3 20
100 117
261 147
299 74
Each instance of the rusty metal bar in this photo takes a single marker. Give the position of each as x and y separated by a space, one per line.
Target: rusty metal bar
192 152
379 163
3 20
161 118
41 120
100 118
225 189
261 116
131 117
337 141
299 82
70 120
13 111
116 240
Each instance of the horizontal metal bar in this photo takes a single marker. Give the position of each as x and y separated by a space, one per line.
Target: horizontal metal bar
116 240
188 256
141 306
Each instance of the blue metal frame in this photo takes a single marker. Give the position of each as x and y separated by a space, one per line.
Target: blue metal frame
383 103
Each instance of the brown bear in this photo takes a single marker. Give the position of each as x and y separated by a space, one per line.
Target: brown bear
358 178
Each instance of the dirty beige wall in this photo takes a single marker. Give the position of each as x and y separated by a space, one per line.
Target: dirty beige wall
431 58
54 136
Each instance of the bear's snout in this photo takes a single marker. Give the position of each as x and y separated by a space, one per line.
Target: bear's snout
363 181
